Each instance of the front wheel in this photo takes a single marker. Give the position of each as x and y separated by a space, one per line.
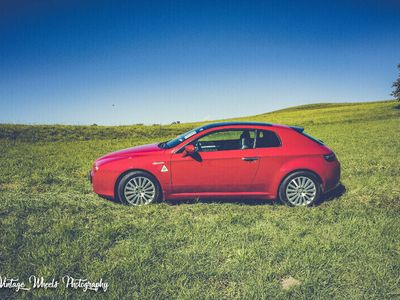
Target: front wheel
300 188
138 188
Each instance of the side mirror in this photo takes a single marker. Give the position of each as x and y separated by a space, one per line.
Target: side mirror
189 150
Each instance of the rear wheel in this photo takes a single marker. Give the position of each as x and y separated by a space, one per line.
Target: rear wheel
138 188
301 188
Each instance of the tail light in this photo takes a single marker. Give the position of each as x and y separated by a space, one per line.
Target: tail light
330 157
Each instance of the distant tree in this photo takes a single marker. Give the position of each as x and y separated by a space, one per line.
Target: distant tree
396 86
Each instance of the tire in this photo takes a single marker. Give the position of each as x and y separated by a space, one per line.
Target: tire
138 188
301 188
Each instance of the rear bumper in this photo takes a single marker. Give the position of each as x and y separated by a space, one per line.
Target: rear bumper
90 177
330 189
332 178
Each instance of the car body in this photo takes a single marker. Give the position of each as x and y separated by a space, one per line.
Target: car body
230 159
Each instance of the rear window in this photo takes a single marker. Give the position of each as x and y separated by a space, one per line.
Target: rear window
267 139
319 142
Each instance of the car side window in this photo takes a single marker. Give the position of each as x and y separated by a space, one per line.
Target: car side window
226 140
267 139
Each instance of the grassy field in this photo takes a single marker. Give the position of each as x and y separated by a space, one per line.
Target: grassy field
348 247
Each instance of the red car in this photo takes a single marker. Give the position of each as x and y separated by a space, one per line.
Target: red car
232 159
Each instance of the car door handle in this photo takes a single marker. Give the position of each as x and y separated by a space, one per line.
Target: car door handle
249 158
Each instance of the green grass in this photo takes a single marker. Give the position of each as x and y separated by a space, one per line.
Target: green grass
347 248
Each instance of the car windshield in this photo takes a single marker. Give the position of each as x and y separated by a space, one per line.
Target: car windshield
179 139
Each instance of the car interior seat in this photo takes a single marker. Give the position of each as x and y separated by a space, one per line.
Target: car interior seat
245 140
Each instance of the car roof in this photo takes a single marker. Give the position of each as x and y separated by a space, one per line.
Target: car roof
219 124
222 124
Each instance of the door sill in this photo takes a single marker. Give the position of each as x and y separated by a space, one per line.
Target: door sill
256 195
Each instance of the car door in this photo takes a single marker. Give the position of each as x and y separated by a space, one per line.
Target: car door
225 161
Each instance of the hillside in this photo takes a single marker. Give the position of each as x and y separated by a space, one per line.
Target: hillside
304 115
347 247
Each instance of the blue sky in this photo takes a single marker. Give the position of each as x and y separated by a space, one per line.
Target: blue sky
126 62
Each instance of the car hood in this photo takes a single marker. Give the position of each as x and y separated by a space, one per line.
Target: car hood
132 151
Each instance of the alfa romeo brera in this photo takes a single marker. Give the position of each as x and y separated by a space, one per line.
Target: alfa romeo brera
221 160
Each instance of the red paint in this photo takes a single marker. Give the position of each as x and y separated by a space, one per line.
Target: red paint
220 173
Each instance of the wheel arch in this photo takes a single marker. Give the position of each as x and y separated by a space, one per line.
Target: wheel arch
135 170
299 170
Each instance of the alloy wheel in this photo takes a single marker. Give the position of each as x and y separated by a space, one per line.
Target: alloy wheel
139 190
301 190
